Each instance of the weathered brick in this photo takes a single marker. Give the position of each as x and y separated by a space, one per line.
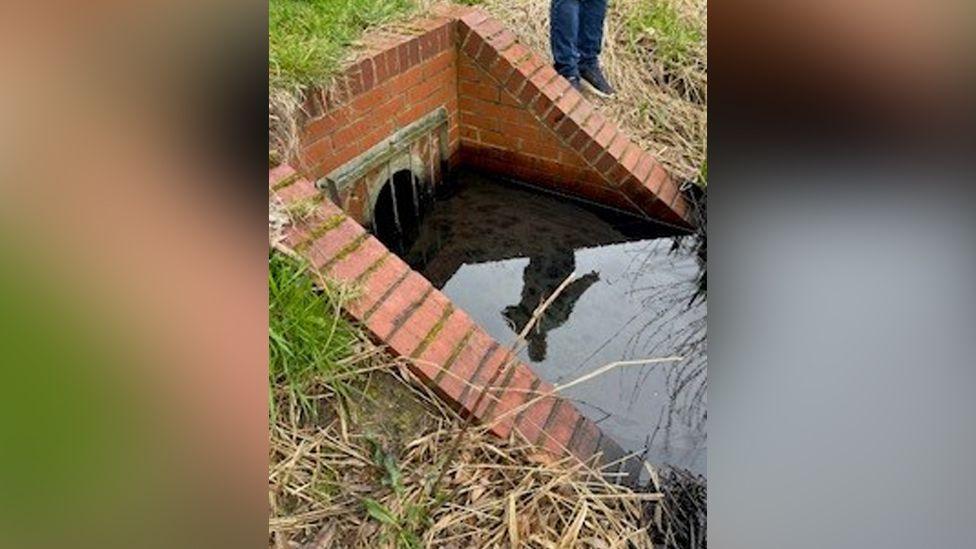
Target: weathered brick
510 397
367 74
323 249
656 179
281 173
494 139
506 67
559 427
594 124
682 208
443 61
446 349
319 150
606 135
469 368
532 419
519 130
541 106
472 46
579 141
377 285
619 145
488 28
416 326
543 77
523 73
485 90
356 263
645 163
585 439
409 291
617 175
629 159
592 152
668 190
301 189
541 148
605 163
556 88
473 19
479 121
392 61
467 71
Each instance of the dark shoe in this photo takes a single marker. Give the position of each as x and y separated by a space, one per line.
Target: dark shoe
575 82
594 77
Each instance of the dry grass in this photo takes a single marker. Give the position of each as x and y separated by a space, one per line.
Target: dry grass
361 476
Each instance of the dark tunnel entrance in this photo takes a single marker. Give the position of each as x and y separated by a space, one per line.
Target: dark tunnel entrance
396 217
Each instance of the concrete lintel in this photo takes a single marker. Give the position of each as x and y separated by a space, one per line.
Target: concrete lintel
382 152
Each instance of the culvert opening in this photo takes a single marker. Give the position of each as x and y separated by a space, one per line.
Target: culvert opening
397 214
497 249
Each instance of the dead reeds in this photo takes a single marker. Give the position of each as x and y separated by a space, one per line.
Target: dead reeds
359 476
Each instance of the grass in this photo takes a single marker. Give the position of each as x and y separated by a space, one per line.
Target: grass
308 39
673 35
309 343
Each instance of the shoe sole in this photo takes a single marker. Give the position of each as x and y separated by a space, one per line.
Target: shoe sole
594 89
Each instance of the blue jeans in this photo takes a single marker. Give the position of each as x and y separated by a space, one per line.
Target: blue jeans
576 34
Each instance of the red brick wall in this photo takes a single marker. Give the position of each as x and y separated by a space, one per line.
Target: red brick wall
399 80
520 118
508 112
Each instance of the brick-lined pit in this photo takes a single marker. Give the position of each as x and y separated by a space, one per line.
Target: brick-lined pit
508 112
450 352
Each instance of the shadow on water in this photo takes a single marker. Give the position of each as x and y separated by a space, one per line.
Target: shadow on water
498 250
541 277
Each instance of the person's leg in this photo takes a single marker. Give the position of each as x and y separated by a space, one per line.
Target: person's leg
590 43
590 39
564 20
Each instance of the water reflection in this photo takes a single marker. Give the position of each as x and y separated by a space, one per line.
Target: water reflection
499 251
540 279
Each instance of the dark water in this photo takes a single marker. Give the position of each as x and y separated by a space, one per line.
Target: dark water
498 250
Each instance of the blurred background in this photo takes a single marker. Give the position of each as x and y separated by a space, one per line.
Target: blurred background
134 272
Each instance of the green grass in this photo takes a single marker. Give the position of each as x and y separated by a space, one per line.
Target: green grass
308 38
674 36
308 340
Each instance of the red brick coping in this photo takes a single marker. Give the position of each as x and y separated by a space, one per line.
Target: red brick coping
449 351
508 113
